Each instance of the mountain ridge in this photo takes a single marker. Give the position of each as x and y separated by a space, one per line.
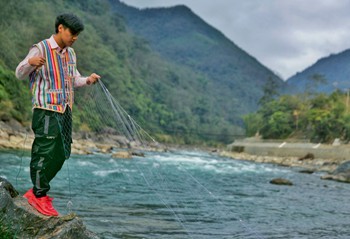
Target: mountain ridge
181 36
334 69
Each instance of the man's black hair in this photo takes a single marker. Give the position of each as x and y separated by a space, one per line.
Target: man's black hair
70 21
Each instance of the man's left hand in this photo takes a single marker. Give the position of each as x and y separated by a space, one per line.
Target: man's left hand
92 79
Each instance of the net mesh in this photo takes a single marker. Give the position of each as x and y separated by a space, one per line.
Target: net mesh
104 115
65 124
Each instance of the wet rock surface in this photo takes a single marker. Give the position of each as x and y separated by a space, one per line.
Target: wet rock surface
19 220
281 181
340 174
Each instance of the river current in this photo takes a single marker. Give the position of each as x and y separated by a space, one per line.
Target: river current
187 194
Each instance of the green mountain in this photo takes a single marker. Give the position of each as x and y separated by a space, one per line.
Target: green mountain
326 75
235 78
175 74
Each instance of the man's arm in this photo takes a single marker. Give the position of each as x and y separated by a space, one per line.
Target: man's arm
33 60
83 80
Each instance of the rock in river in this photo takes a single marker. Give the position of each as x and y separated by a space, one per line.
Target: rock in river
281 181
19 220
340 174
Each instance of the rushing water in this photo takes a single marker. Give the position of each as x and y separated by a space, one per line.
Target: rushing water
191 195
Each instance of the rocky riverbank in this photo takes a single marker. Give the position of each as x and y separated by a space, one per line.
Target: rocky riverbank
305 155
15 136
332 160
307 164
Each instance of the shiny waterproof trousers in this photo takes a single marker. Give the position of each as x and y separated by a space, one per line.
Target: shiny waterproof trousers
51 147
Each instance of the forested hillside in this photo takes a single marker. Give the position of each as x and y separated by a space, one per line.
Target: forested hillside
326 75
189 95
234 79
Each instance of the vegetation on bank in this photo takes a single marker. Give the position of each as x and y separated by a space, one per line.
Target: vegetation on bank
318 117
14 97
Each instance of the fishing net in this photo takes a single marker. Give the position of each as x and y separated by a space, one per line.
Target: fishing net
102 114
65 124
103 117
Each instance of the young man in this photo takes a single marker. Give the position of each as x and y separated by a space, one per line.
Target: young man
51 67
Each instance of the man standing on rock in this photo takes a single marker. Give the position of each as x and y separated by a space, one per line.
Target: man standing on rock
51 67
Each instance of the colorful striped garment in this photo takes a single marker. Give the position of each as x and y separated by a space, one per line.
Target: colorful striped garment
52 85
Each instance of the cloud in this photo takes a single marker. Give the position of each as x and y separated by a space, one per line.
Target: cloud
287 36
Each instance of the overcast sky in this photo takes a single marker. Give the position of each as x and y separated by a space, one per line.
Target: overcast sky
287 36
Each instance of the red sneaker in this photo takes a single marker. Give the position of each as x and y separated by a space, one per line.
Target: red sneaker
45 203
42 205
29 194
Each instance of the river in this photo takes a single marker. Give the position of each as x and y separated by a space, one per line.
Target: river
186 194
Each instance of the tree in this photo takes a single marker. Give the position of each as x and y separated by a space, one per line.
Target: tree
270 91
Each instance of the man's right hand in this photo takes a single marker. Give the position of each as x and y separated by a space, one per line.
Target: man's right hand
37 61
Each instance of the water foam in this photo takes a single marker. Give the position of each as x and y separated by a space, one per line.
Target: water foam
104 173
175 158
87 163
214 164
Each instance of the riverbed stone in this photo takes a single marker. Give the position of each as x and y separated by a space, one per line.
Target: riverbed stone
122 155
340 174
307 171
307 156
281 181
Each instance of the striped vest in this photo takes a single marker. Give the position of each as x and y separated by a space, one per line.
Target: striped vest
52 84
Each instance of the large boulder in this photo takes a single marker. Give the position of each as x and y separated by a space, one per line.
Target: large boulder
340 174
19 220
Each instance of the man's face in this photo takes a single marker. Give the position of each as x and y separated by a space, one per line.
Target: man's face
67 37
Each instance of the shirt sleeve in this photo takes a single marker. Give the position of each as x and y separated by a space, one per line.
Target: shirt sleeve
79 80
24 68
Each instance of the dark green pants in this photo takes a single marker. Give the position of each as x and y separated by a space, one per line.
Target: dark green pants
51 147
